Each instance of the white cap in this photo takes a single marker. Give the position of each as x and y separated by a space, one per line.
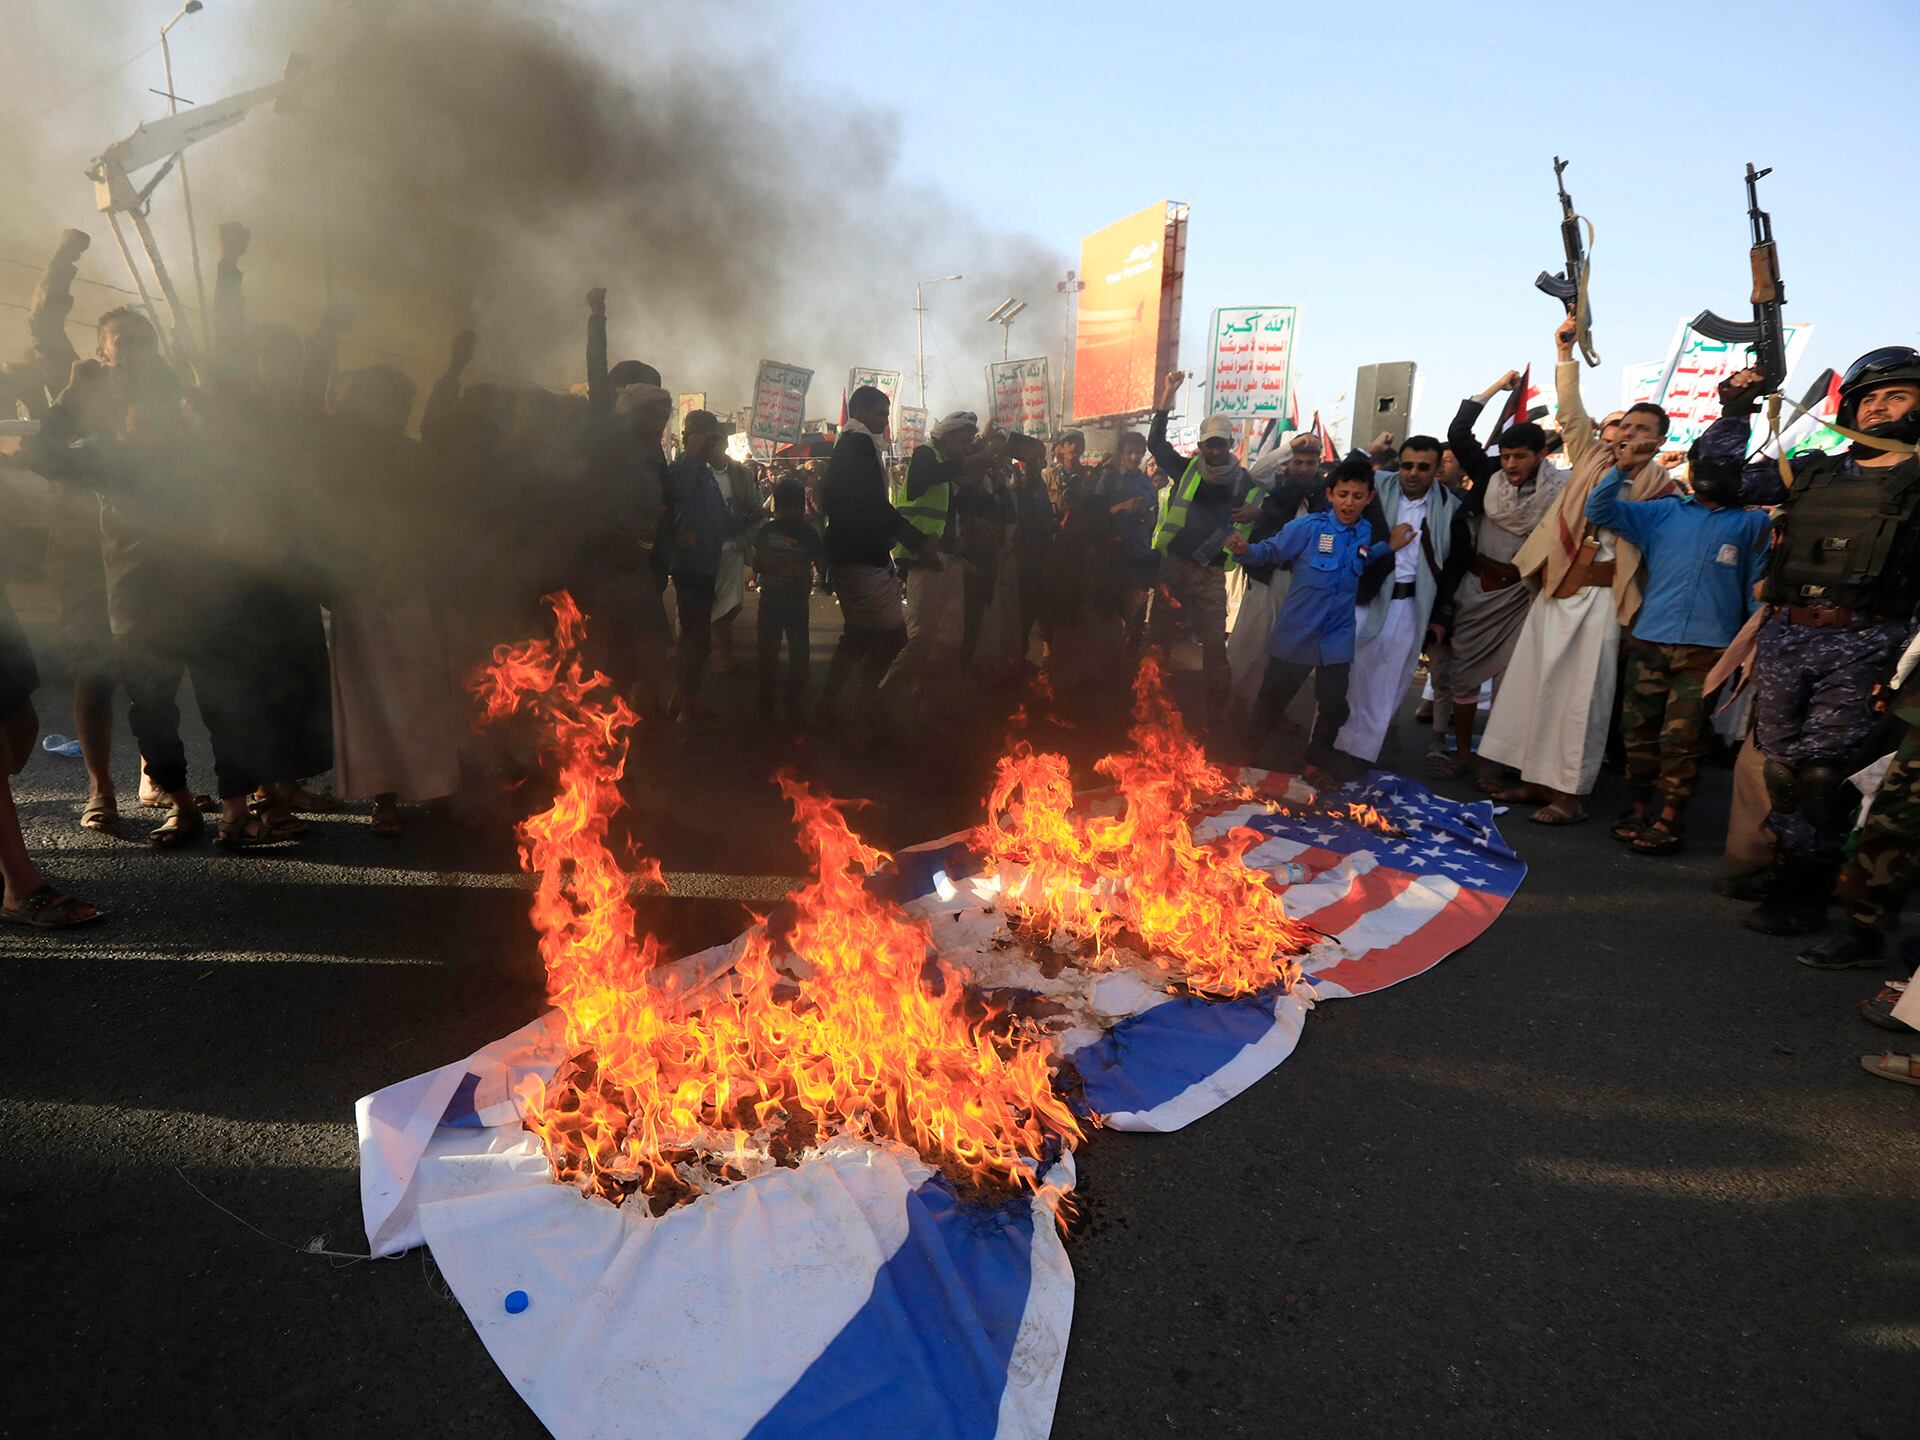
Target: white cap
958 420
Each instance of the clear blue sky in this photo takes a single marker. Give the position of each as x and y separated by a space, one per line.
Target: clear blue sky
1388 167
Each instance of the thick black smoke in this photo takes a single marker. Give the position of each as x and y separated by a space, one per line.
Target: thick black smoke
482 162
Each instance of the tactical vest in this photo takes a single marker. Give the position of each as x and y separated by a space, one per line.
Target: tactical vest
1175 501
928 513
1849 538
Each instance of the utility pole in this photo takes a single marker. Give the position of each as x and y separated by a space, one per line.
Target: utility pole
920 331
1068 289
191 7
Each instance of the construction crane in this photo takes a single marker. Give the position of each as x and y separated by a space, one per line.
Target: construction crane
160 142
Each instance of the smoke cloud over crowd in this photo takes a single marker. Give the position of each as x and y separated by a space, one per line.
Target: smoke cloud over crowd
474 162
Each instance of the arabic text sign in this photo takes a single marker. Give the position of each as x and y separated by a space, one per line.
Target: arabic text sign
779 402
909 429
1021 399
1692 394
1642 381
885 381
1250 362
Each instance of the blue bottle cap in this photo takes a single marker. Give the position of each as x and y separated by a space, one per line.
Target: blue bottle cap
516 1301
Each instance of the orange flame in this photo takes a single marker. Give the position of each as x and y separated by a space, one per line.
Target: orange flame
845 1037
1369 818
1197 908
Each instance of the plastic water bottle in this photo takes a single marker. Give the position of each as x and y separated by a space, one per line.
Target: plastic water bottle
61 745
1291 872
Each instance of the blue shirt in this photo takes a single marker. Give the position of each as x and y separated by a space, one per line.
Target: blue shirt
1315 623
1701 564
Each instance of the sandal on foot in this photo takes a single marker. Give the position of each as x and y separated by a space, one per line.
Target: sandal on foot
101 815
386 820
1520 795
48 909
1656 839
1628 824
1557 814
1446 767
1879 1010
1904 1069
249 832
181 827
278 819
307 803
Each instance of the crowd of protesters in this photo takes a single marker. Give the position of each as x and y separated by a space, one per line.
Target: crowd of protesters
260 521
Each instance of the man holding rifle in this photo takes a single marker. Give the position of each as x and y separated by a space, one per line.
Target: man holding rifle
1843 580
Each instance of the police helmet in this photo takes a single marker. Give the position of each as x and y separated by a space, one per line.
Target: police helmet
1875 368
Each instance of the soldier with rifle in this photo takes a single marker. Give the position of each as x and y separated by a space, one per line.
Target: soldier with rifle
1842 583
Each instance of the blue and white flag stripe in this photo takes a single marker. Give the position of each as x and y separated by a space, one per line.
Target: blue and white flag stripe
857 1295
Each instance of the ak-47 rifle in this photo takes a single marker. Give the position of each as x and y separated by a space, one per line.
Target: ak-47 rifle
1569 285
1764 333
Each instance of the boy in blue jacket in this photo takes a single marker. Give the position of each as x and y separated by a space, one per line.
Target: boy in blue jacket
1329 551
1704 554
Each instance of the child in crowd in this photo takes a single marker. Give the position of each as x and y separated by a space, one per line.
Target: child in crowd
1329 551
786 552
1704 554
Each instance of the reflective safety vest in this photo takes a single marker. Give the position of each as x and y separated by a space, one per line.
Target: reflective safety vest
1175 499
927 514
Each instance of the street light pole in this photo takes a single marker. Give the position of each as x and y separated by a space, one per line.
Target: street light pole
191 7
1003 315
1068 289
920 331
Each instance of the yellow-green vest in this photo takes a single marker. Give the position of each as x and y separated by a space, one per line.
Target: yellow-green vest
1175 499
927 514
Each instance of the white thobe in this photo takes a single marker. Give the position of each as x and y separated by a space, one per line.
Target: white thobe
1551 714
1383 663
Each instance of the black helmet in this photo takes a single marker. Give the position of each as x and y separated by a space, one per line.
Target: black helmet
1875 368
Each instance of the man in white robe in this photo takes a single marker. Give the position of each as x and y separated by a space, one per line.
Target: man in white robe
1393 624
1551 713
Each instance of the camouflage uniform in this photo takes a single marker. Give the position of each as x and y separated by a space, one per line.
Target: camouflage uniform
1887 856
1663 717
1813 692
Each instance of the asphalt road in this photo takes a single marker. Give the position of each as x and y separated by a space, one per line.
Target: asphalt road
1611 1170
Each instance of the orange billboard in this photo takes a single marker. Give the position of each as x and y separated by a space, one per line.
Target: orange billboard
1127 323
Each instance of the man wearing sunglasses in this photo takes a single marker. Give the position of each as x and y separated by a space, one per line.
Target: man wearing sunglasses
1842 582
1411 608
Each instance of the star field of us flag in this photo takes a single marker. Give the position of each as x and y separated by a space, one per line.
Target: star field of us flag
1388 906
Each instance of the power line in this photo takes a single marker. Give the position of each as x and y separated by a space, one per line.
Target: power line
78 279
429 366
25 120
